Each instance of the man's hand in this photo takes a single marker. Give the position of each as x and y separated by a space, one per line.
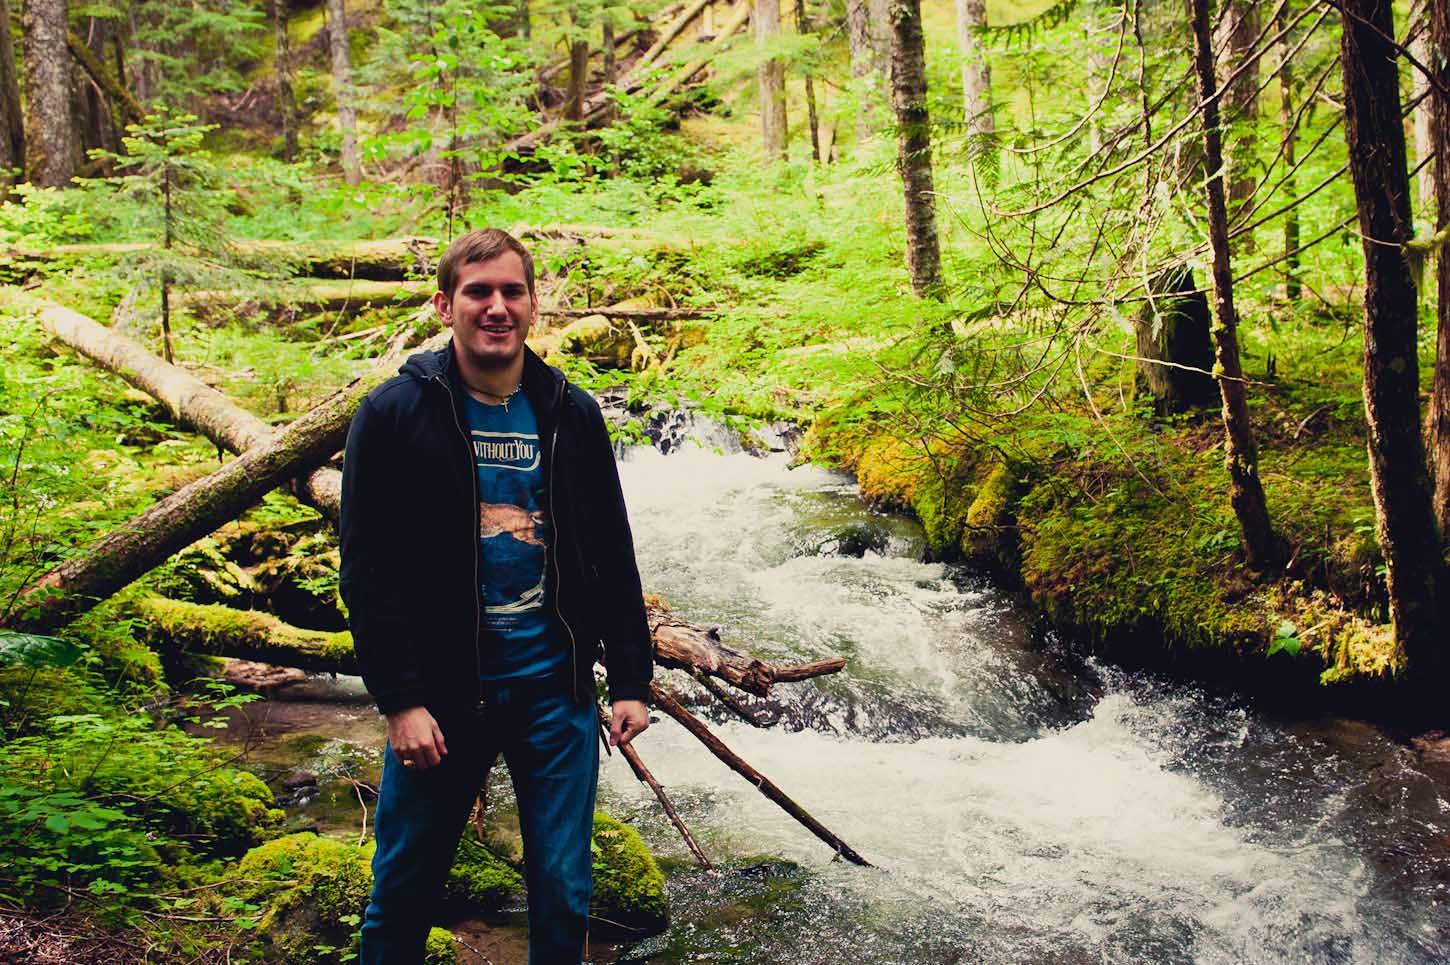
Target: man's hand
627 720
415 738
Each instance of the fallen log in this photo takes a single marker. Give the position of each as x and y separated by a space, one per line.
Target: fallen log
667 37
765 785
387 259
321 295
91 64
693 649
195 510
189 401
681 76
223 631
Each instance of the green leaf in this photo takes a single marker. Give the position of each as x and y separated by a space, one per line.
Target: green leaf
35 650
58 824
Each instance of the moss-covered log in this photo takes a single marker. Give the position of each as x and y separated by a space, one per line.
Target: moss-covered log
195 510
321 295
190 401
252 635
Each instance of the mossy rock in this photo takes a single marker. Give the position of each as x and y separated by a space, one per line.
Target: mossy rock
629 888
439 948
29 696
313 891
479 881
989 537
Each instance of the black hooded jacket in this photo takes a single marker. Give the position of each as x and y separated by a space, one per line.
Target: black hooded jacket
410 537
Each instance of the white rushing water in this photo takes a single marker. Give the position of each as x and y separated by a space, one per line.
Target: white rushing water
1013 816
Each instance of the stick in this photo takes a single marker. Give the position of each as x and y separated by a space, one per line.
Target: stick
728 699
762 783
642 773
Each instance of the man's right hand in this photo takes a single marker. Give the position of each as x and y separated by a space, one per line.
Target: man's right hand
416 741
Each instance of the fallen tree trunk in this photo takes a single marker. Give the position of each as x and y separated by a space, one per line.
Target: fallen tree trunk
387 259
325 295
223 631
681 76
93 67
667 37
193 511
190 401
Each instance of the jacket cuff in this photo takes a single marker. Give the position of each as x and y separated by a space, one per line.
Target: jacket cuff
629 691
392 703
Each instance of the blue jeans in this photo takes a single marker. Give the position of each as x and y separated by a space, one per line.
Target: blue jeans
550 744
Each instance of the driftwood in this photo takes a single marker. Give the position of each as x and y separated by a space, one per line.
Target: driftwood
716 746
193 511
190 401
695 650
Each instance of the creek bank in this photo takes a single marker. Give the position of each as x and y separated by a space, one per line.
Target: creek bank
1146 575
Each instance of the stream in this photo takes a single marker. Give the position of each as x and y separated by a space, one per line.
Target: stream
1018 804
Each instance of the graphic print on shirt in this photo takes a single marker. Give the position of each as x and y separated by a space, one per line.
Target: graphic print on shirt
513 525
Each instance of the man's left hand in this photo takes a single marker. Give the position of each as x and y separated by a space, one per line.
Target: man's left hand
627 720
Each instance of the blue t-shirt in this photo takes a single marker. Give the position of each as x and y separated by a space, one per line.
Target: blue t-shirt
514 535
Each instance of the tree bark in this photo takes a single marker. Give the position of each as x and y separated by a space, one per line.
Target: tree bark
976 74
342 86
189 401
1290 137
193 511
1246 493
1440 391
803 27
1175 327
867 65
771 82
578 74
52 150
12 123
668 35
282 64
913 149
1398 477
1421 18
1240 103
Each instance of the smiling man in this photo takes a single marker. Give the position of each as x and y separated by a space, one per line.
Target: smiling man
486 558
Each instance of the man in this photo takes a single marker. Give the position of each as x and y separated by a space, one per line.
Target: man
486 555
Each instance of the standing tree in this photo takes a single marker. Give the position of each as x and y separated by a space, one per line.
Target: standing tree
976 74
12 126
52 148
1239 104
1289 137
771 75
913 149
578 68
342 86
282 57
1398 477
865 28
803 27
1246 492
1421 16
1439 35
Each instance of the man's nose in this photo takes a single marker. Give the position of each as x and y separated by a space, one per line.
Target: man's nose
495 304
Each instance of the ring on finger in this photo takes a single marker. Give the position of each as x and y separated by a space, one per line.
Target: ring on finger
408 763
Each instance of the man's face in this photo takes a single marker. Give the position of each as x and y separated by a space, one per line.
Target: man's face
490 311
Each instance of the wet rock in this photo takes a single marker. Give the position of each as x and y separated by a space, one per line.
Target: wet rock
299 779
261 677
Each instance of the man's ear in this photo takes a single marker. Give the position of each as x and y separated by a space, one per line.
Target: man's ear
442 308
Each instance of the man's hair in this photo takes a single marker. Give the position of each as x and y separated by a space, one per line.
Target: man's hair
481 245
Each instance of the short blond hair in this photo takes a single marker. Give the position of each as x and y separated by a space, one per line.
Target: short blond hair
481 245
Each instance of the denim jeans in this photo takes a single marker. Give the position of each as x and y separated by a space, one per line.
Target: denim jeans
550 744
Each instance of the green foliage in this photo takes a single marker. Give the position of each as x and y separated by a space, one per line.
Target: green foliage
312 891
628 886
479 880
35 650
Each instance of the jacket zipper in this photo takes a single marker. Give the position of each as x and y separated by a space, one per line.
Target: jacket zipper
559 570
477 538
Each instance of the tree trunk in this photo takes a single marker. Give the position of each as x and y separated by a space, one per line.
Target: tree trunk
195 510
1099 66
1246 493
342 86
282 63
12 124
52 150
913 149
252 635
90 62
976 74
1174 327
668 35
1290 137
803 27
578 73
771 79
1440 393
1240 104
867 65
1398 477
189 401
1421 18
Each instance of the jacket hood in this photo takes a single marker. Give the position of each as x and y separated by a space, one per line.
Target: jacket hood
541 381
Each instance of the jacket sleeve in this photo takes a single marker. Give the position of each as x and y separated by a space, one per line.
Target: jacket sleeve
373 575
623 627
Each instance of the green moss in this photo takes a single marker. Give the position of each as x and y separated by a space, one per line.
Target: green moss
988 532
480 881
628 886
313 892
439 948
